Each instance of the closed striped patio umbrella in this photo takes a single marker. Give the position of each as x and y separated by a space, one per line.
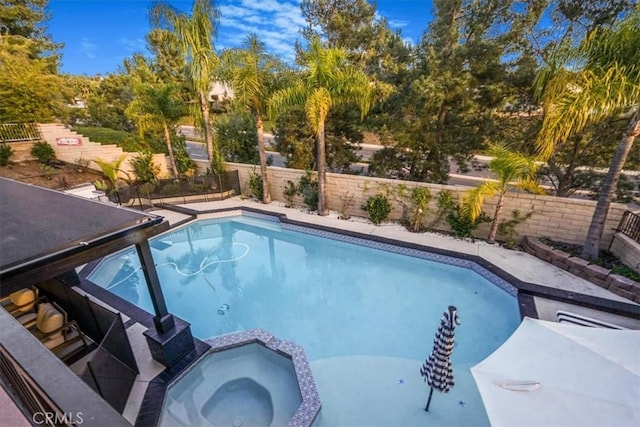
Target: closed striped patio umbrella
436 370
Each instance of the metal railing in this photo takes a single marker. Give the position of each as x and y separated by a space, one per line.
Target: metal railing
35 400
630 225
20 132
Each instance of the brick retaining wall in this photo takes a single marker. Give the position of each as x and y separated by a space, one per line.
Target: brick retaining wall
602 277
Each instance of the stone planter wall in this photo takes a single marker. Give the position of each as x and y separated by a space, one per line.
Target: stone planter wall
627 250
602 277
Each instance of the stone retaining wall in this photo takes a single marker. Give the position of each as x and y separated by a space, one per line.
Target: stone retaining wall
602 277
562 219
627 250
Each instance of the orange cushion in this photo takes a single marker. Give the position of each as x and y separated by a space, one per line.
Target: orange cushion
22 297
50 321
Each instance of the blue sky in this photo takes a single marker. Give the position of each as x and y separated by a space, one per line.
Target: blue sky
99 34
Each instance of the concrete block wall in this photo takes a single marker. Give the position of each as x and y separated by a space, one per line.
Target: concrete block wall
558 218
91 150
627 250
21 151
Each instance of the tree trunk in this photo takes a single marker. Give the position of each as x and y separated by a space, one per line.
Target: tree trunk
208 132
594 235
172 158
266 195
493 231
323 209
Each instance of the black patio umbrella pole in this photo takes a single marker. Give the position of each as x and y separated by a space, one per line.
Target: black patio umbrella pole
436 370
426 408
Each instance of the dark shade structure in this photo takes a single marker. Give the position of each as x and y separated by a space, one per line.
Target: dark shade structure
436 370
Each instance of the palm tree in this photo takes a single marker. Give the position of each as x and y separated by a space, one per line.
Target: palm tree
600 80
154 104
252 75
513 170
195 34
327 81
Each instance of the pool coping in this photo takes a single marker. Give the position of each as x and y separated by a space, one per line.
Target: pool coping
525 292
310 406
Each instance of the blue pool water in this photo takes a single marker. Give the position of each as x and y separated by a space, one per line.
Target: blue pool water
366 317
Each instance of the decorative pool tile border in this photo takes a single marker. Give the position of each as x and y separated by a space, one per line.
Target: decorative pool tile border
310 406
430 256
346 238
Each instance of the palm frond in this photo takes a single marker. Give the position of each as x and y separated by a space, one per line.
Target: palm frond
294 95
601 78
473 200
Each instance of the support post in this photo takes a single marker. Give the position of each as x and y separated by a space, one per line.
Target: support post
163 320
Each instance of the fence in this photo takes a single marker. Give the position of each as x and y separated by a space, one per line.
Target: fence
630 226
20 132
203 188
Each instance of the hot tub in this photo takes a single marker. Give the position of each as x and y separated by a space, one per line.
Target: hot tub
246 379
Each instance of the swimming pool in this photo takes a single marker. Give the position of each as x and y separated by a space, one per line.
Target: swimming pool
366 315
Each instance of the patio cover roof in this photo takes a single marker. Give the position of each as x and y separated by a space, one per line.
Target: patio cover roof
40 226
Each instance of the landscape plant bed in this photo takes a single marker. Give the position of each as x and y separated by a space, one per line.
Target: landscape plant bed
605 259
60 176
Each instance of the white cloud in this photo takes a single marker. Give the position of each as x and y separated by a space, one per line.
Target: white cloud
132 45
276 22
88 48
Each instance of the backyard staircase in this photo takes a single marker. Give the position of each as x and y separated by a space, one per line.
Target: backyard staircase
70 146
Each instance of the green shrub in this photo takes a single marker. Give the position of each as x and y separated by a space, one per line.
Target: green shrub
420 197
184 163
81 163
196 187
110 169
144 168
170 190
5 153
255 185
378 208
308 189
100 185
346 200
507 229
47 171
43 152
458 220
289 192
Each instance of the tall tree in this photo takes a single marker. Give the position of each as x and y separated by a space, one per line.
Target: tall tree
600 79
253 79
195 34
161 104
327 81
355 26
24 22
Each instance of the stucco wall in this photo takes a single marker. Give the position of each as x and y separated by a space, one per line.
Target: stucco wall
561 219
